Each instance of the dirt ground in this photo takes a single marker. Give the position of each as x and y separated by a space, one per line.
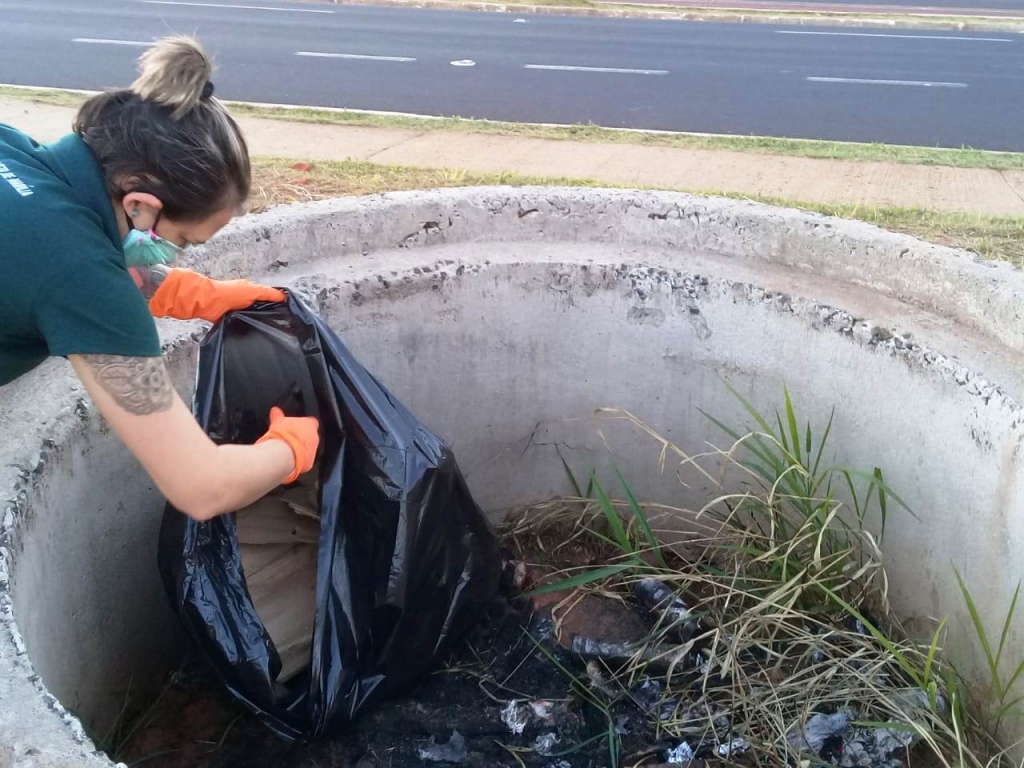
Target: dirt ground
967 190
513 694
197 725
517 657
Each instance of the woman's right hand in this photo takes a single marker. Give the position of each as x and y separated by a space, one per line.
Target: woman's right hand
198 477
302 435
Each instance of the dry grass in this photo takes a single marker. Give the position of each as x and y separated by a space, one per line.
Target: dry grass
280 182
787 582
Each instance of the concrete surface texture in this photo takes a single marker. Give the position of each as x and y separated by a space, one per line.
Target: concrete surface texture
806 180
504 318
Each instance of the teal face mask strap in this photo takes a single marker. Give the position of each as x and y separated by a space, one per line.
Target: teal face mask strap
147 248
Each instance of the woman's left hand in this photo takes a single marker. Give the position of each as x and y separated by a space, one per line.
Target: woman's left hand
186 295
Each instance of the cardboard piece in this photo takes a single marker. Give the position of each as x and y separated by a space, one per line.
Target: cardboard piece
278 539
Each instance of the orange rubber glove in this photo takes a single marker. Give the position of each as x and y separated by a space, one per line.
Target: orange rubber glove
185 295
301 434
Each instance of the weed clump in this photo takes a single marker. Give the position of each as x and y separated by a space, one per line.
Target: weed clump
772 640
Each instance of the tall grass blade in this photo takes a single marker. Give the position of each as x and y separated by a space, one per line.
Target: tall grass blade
793 428
720 424
894 650
883 486
958 713
882 507
749 408
760 450
822 442
783 437
642 521
587 577
858 508
932 650
1006 624
766 474
614 521
979 630
1007 708
572 478
1014 677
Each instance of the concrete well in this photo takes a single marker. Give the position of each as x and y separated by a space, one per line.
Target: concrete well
504 318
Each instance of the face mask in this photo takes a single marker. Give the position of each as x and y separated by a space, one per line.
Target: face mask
148 249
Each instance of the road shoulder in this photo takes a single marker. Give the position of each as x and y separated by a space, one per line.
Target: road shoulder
981 191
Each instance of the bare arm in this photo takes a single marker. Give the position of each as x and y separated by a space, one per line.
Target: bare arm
197 476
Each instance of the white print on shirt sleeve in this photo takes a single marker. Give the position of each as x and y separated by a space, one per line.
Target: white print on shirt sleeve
19 186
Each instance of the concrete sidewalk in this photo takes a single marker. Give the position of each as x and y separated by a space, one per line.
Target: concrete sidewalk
967 190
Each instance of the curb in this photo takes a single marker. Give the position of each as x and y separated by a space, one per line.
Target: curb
277 111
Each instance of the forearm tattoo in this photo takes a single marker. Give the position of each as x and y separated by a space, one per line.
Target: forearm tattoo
152 278
140 385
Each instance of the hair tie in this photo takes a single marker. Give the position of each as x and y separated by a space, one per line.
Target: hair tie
207 90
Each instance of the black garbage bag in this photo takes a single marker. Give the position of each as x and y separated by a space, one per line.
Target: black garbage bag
405 560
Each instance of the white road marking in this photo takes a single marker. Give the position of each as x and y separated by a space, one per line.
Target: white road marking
354 56
900 37
612 70
463 63
102 41
243 7
860 81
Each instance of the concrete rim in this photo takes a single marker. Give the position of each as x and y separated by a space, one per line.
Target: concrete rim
981 301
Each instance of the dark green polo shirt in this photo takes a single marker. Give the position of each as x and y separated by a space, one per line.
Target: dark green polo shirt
64 286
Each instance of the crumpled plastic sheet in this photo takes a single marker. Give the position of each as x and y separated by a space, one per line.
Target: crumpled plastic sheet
865 747
545 743
915 698
818 728
858 747
682 754
452 752
732 748
516 716
543 710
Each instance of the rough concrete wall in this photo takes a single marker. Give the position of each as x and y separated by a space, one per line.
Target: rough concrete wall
504 318
35 729
97 514
77 545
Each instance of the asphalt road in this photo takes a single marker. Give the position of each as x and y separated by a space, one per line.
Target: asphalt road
907 87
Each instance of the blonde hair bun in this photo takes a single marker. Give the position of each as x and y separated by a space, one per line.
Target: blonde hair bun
174 73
